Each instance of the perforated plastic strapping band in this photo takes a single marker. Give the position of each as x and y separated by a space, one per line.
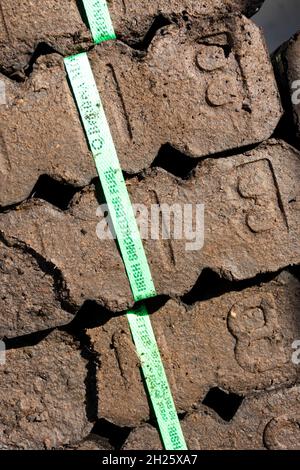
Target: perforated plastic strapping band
121 211
100 23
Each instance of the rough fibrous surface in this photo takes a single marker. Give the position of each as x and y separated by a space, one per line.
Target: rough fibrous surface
132 20
287 64
43 395
31 292
24 24
191 87
251 226
239 342
188 89
266 421
41 114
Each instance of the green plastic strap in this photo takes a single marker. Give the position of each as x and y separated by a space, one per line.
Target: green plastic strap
156 379
111 176
98 16
131 246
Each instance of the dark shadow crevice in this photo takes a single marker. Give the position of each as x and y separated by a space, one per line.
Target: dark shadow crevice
90 315
182 166
158 24
42 49
286 129
88 353
211 285
57 193
223 403
11 207
116 435
82 13
25 341
78 332
233 152
93 315
295 271
175 162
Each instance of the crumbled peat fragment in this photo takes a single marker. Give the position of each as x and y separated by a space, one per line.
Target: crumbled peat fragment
204 90
251 226
30 300
239 342
24 25
287 64
92 442
269 420
43 395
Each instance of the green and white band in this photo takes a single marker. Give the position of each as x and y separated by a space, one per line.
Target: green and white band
114 187
99 20
110 174
156 379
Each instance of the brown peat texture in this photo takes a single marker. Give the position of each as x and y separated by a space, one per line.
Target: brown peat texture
196 116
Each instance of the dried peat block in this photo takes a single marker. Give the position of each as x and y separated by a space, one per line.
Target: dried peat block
251 204
40 133
287 64
239 342
43 395
31 292
269 420
24 24
204 90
